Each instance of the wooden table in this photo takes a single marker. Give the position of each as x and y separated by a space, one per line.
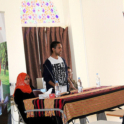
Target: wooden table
91 101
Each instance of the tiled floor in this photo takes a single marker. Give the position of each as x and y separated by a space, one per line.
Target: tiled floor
92 118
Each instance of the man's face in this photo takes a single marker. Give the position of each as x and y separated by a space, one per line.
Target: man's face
69 73
58 49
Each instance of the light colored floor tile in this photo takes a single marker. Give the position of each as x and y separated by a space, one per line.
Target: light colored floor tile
93 118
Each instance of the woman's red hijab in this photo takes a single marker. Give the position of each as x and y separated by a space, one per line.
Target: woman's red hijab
20 84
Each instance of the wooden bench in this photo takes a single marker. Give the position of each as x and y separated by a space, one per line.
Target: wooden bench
105 122
117 113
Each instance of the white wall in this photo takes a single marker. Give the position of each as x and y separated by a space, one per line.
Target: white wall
96 39
104 36
14 39
73 18
2 26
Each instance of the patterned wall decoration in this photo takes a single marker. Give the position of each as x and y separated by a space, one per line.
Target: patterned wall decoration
38 11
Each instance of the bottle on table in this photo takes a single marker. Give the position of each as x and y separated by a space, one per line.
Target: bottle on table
97 80
57 93
80 87
44 87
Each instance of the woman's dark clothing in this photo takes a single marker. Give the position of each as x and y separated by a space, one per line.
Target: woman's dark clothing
19 96
123 120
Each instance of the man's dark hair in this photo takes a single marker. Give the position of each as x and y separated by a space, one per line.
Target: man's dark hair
53 45
68 67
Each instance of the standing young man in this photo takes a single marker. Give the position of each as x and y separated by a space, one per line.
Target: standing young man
55 69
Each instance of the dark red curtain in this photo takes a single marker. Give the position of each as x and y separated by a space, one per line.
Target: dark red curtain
31 53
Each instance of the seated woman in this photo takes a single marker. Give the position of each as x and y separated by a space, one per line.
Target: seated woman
24 91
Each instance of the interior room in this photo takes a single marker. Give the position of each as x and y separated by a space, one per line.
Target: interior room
96 40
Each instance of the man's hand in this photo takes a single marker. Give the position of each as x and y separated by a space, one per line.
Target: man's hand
71 85
52 84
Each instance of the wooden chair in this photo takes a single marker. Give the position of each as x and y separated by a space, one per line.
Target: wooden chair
21 120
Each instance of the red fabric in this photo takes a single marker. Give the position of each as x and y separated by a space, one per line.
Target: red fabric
38 104
94 88
57 106
60 105
38 107
20 84
94 93
51 95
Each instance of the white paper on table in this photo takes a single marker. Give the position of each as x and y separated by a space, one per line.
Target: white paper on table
46 94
